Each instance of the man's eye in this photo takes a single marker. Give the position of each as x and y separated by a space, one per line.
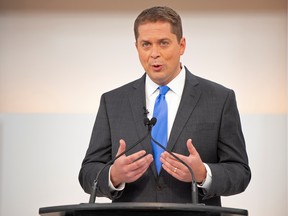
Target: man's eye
164 43
145 44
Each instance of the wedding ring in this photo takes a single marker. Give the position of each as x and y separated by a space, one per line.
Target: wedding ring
175 169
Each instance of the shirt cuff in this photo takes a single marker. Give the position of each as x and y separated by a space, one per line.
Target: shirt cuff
111 186
206 184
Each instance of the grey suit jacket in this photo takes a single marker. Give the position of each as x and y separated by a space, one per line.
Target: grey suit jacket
207 113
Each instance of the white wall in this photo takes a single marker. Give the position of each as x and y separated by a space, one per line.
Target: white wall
56 61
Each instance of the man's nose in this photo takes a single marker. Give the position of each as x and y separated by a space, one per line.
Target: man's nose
155 52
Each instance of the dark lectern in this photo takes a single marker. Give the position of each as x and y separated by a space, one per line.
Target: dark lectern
139 209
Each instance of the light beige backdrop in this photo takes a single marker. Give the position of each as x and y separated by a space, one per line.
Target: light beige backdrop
58 57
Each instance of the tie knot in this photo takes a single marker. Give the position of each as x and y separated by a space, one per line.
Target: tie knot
163 90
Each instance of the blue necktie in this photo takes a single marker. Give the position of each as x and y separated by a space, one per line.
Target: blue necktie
160 130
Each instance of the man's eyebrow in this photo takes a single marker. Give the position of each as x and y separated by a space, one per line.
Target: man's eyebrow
161 39
144 41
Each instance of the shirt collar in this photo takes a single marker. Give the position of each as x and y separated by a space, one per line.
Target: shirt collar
176 85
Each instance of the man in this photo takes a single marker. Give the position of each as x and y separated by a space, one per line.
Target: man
203 127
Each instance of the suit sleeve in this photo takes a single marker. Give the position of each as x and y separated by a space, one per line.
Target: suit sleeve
231 175
98 154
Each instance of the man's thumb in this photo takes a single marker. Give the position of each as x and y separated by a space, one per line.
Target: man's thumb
122 146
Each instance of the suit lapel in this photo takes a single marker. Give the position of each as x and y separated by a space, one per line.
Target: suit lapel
136 98
190 97
137 104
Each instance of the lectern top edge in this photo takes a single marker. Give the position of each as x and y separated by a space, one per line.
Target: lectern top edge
151 208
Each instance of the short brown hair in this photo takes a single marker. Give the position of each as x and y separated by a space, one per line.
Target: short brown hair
160 13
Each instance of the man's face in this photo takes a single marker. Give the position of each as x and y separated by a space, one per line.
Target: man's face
159 51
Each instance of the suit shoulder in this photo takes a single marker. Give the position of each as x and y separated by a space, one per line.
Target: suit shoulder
124 89
209 85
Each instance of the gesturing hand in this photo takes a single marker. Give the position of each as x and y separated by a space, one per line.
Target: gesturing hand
179 170
128 169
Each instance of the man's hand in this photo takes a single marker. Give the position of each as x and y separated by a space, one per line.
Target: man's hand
179 170
129 168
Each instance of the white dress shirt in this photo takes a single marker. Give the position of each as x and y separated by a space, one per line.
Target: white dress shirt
173 97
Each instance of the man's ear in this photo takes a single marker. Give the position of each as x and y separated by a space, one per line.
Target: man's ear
182 45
